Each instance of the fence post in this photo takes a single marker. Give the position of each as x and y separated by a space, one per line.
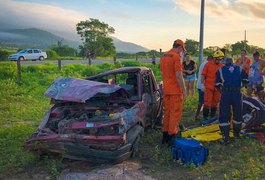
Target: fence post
89 60
114 59
18 70
59 64
136 57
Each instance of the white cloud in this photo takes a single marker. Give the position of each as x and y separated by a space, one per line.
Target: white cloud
43 16
238 9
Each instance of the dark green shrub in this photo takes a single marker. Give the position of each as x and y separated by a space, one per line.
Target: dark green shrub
8 70
105 66
52 55
3 55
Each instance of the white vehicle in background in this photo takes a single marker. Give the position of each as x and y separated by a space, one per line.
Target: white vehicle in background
31 54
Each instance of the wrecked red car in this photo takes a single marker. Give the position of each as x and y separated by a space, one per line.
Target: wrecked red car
101 117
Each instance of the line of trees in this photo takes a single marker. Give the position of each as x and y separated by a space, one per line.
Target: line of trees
192 47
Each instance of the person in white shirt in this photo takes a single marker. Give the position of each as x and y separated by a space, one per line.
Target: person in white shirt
200 87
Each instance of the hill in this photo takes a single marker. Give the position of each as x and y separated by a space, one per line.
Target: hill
122 46
36 38
32 37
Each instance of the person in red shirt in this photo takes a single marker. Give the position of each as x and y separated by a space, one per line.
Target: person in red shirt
243 61
211 94
173 90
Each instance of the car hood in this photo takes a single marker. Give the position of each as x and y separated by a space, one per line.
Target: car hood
14 54
79 90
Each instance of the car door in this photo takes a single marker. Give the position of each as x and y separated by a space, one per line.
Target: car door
29 54
154 95
36 54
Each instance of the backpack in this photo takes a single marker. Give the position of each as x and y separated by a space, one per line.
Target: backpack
189 151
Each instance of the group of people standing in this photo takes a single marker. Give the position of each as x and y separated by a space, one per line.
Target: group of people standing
219 85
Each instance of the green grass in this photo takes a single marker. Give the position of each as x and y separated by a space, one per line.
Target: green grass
12 155
23 105
242 159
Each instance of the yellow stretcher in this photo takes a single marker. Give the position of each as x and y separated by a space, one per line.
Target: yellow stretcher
204 133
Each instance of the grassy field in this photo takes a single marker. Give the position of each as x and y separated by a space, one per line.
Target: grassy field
22 106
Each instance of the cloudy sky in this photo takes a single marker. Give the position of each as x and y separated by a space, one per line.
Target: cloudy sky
151 23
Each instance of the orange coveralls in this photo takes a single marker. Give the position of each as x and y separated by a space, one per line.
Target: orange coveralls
170 63
211 95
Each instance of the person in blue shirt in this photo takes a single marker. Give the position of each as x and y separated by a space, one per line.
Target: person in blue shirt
256 77
229 80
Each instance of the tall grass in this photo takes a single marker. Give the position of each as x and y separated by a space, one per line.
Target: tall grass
22 105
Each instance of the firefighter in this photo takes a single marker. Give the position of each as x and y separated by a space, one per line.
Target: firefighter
229 81
211 95
174 90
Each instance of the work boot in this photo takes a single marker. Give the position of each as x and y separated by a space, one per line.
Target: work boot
225 133
171 140
213 112
236 130
165 138
205 113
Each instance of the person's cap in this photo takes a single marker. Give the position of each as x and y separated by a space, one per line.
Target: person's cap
181 43
228 60
256 53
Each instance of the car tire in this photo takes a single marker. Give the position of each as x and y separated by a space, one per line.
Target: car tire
21 58
41 58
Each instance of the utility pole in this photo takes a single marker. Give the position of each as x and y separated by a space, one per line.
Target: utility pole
245 41
201 31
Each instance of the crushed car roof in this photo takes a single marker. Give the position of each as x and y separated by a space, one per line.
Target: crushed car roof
78 90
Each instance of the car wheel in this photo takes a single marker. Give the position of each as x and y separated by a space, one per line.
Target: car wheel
21 58
41 58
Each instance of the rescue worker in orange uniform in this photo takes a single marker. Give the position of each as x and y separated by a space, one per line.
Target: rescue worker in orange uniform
173 90
211 94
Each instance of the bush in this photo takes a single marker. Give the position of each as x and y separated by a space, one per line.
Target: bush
45 68
52 55
3 55
8 70
131 63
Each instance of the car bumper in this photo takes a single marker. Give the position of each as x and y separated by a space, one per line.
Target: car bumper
81 151
12 59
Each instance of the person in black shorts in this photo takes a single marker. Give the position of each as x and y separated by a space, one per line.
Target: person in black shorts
189 71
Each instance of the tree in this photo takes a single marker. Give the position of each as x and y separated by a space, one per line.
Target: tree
95 37
238 46
192 46
64 50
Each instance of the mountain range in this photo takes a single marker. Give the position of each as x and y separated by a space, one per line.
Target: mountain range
36 38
